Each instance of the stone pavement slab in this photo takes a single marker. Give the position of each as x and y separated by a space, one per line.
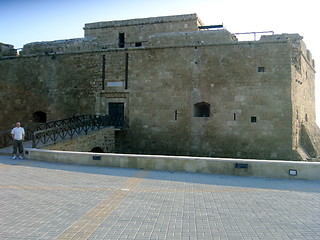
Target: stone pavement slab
41 200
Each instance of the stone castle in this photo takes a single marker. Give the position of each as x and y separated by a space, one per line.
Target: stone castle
185 88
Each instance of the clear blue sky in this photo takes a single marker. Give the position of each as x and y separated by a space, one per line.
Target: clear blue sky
25 21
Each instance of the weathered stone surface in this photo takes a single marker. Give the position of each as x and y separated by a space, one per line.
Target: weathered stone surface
139 30
7 50
61 46
183 91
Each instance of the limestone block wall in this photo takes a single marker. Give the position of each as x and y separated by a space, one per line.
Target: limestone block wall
246 85
190 92
303 90
138 30
58 85
103 139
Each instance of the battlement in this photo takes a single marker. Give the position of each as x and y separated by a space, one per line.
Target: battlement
145 21
295 40
162 31
191 38
61 46
7 50
117 34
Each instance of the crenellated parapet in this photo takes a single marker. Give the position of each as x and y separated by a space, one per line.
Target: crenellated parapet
296 42
7 50
61 46
191 38
117 34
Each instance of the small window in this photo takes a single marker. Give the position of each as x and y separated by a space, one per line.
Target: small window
121 40
202 109
138 44
260 69
253 119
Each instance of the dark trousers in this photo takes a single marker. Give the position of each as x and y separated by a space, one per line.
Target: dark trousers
17 144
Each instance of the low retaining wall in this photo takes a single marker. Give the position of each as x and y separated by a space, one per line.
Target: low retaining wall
237 167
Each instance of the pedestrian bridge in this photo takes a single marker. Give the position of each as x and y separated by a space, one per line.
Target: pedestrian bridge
56 131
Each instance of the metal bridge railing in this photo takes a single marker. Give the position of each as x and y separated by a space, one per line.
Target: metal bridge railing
71 129
6 138
254 34
65 128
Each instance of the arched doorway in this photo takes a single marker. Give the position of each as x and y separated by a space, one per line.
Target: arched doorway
97 150
39 117
202 109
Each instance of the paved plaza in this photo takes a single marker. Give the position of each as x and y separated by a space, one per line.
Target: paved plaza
40 200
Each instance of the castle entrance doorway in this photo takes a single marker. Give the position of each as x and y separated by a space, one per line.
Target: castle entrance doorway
116 109
116 113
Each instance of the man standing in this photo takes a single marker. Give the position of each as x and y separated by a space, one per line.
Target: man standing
18 137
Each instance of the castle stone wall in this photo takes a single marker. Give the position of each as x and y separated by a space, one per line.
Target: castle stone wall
303 95
184 92
59 85
166 83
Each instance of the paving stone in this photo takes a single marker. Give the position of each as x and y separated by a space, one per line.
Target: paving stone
41 200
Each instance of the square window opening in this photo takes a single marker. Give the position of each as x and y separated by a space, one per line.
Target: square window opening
138 44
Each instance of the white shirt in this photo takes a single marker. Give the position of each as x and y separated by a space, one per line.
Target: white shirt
17 133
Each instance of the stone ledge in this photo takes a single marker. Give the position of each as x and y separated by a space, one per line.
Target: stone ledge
237 167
